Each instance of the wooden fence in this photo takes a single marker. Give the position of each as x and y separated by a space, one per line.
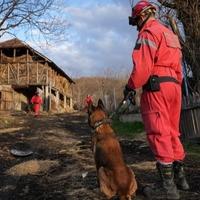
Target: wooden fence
190 117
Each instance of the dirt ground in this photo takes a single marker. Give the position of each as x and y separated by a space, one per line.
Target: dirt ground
61 166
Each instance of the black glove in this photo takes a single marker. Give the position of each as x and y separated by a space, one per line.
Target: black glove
127 90
129 93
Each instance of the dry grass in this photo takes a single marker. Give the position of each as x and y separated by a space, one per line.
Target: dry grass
32 167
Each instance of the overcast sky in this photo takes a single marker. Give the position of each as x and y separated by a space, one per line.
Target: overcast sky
99 38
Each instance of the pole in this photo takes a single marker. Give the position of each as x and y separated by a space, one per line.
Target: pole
114 96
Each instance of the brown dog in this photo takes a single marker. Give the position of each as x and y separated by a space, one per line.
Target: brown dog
114 176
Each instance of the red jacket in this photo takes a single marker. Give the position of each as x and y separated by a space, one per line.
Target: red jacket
37 101
157 51
88 100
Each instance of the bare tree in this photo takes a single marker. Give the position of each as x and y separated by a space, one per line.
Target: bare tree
32 15
188 13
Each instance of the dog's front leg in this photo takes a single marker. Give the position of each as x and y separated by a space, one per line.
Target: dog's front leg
133 185
105 184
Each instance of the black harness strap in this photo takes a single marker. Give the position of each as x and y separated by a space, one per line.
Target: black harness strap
162 79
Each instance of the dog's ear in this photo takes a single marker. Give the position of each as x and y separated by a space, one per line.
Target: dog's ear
100 104
91 108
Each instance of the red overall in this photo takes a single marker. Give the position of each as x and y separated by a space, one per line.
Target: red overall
158 52
88 100
36 101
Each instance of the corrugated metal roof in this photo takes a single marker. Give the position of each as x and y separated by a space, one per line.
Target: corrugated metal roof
16 43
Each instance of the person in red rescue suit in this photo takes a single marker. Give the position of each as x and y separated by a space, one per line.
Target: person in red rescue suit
88 100
157 69
36 100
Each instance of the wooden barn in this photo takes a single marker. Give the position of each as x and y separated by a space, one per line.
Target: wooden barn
23 71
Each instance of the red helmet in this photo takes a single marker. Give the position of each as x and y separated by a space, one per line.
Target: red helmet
138 9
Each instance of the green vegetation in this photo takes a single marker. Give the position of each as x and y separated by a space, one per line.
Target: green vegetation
133 129
128 129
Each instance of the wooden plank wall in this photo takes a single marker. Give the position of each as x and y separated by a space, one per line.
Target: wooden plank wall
6 100
190 116
24 70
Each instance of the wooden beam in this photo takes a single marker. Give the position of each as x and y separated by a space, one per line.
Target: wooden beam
13 100
54 79
47 73
37 74
70 103
57 100
8 68
13 73
50 87
28 74
27 66
18 73
42 62
50 75
46 97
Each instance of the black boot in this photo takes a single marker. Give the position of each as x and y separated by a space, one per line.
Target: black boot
179 175
167 189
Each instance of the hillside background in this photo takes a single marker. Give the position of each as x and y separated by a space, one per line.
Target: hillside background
109 89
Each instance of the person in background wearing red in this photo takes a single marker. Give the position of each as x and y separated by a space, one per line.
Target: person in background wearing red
36 100
157 69
88 101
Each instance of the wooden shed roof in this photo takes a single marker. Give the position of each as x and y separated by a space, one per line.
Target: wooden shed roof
16 43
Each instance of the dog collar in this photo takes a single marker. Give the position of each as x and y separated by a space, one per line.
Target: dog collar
103 121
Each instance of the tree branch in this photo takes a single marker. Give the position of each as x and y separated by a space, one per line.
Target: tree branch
167 4
40 15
